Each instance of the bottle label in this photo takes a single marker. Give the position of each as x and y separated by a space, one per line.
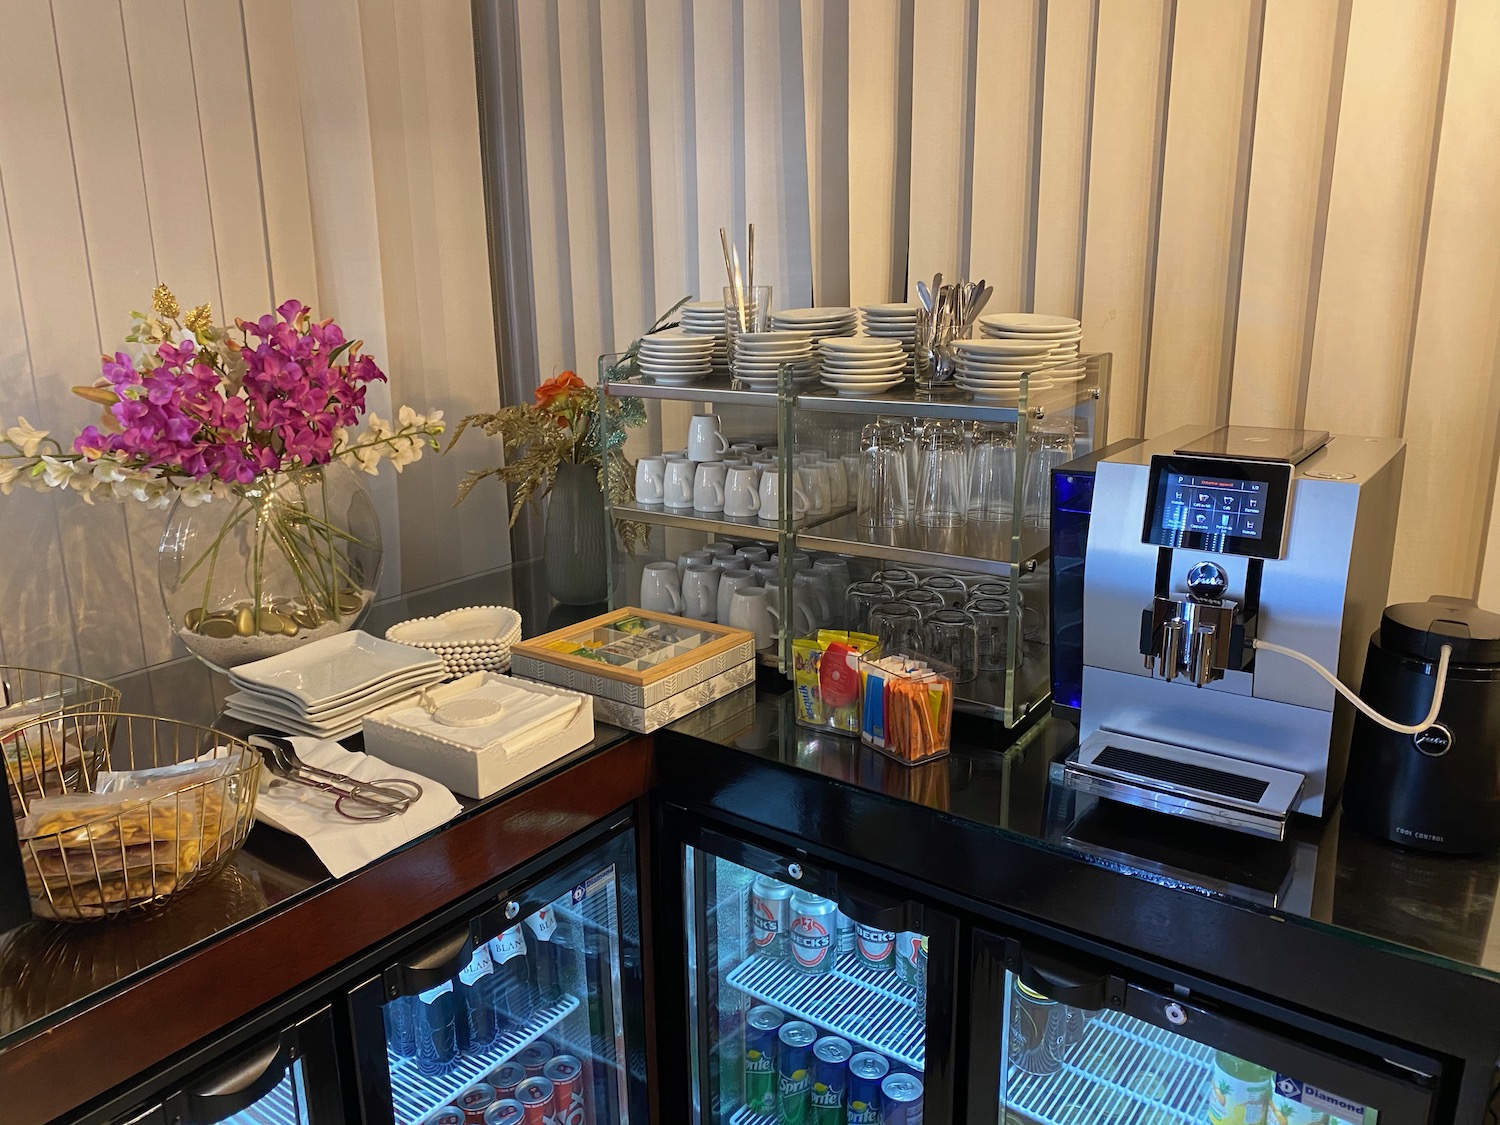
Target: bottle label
766 921
433 993
825 1096
512 943
1236 1101
479 966
812 944
874 945
543 924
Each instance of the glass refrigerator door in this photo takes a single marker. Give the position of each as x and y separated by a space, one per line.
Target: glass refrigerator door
809 996
529 1011
1080 1047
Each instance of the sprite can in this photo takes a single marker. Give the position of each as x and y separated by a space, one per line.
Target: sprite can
901 1100
794 1073
830 1080
761 1029
866 1071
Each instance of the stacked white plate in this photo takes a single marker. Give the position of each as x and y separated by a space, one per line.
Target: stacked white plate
759 356
706 318
894 322
326 688
862 365
473 639
994 368
1062 334
675 357
819 323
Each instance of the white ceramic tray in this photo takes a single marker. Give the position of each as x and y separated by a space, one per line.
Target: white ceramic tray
333 670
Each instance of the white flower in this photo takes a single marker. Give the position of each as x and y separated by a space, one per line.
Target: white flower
379 427
107 472
406 416
195 493
58 473
8 475
367 459
25 437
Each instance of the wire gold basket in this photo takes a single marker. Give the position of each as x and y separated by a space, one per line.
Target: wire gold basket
132 839
53 732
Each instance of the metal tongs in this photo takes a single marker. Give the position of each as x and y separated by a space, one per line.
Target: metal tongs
366 800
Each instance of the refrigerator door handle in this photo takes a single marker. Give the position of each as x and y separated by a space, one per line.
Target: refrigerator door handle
437 961
237 1085
1077 983
877 908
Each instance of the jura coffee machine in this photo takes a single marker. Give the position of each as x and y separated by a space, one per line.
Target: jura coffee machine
1218 564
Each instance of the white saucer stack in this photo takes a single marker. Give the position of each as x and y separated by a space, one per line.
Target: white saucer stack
675 358
894 322
706 318
758 357
473 639
993 368
326 688
819 323
862 365
1062 334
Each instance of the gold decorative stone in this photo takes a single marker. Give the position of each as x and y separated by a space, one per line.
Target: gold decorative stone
220 627
348 601
194 618
269 621
244 621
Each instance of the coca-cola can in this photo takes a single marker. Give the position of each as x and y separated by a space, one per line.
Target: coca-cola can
506 1112
535 1096
474 1101
506 1077
565 1073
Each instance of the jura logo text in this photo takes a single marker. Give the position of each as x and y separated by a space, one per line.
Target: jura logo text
1435 741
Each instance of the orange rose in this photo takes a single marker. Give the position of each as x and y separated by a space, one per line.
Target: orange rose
559 386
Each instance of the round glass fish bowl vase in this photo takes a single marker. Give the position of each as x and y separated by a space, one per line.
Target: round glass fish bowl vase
289 559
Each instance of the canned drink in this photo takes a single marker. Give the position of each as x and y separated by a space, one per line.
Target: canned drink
535 1096
1075 1025
1038 1030
770 916
921 985
565 1073
506 1077
866 1071
830 1080
474 1101
846 934
535 1057
907 955
448 1115
901 1100
762 1028
794 1073
814 932
876 948
506 1112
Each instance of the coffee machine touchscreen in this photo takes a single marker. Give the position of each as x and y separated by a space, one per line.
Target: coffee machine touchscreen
1197 504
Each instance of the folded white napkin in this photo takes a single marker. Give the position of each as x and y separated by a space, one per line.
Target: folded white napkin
527 716
342 844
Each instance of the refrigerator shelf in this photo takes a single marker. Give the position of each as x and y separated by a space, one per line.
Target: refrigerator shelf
746 1116
416 1094
862 1005
1094 1083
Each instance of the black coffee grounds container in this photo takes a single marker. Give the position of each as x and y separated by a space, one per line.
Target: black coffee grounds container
1438 790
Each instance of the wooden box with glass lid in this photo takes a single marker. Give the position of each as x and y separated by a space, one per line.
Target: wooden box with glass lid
917 516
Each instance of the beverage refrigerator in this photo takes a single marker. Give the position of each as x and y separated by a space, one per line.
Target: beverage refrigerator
531 1009
288 1077
814 995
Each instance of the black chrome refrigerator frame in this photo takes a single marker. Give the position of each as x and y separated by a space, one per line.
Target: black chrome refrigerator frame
973 946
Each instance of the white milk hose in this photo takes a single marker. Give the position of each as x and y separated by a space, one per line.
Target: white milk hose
1437 692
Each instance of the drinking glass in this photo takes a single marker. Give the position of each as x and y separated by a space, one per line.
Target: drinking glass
1046 449
951 636
952 590
897 578
899 627
754 317
943 484
883 498
992 588
926 602
859 599
992 471
992 628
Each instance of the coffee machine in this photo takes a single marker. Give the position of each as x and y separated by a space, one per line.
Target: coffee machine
1220 562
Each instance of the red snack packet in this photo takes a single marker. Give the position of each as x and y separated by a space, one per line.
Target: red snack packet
838 675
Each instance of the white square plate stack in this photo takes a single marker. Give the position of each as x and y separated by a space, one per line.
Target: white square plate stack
894 322
706 318
473 639
1062 334
324 689
862 365
675 357
759 356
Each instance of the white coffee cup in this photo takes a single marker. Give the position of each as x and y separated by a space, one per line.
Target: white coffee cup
692 558
720 549
705 438
741 493
708 487
838 483
751 610
770 496
677 487
700 592
660 590
815 483
729 582
744 448
754 553
650 478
